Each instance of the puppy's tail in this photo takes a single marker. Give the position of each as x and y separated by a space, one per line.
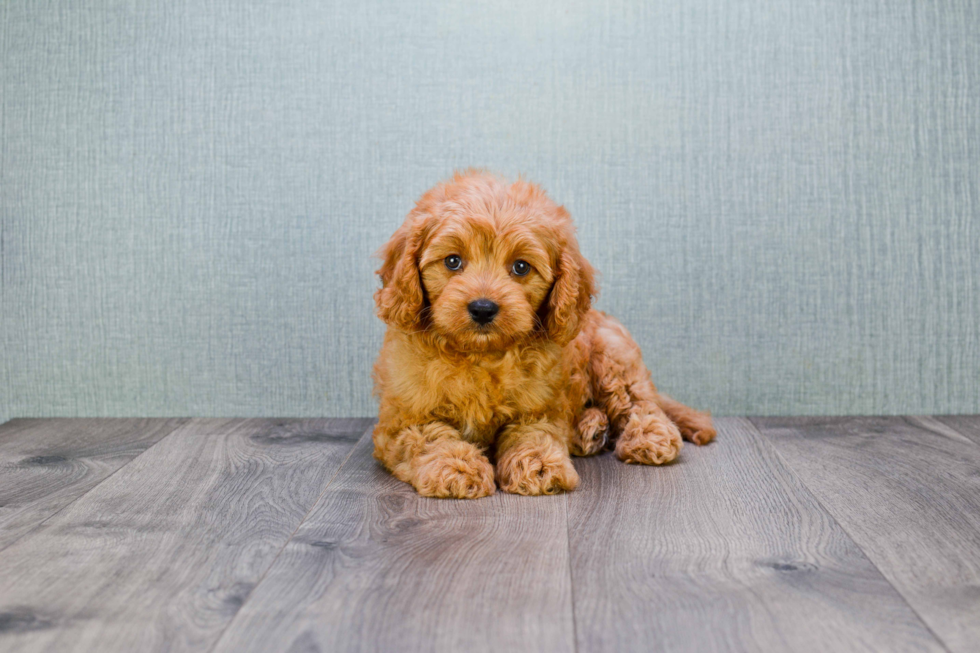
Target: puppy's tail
694 425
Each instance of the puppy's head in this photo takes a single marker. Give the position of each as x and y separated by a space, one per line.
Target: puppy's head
486 264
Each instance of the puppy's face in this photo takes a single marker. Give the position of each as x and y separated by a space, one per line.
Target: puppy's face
486 265
486 276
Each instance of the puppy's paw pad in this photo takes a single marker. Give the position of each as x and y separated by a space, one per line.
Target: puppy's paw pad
456 477
591 433
535 472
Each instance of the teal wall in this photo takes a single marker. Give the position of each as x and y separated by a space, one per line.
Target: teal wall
783 196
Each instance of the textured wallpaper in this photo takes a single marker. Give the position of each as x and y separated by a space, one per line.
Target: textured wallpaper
782 196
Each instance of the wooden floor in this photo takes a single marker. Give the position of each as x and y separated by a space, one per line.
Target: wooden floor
787 534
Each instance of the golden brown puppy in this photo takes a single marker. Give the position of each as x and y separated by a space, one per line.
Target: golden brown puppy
493 352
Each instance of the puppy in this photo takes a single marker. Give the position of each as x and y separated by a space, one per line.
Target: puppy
494 366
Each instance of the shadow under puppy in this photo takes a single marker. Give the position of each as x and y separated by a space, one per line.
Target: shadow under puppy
494 367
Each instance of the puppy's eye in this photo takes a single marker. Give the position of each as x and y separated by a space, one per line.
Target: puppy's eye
453 262
520 268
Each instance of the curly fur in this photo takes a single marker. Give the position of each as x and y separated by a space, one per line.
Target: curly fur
549 377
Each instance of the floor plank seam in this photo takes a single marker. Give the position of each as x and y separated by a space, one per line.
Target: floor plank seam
765 439
289 539
571 576
181 422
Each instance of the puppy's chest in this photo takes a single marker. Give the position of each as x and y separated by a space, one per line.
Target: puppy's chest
479 397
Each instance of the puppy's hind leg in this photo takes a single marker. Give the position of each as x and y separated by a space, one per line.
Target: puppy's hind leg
648 436
622 382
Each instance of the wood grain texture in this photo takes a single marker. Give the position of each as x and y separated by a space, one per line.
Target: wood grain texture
375 567
47 464
723 551
907 490
968 425
162 554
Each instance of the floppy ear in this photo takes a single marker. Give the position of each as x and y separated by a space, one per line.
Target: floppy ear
400 299
571 294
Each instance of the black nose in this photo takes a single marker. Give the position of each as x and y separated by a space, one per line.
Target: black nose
483 311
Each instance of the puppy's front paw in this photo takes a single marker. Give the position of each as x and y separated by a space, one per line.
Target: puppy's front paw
536 469
591 434
649 440
457 470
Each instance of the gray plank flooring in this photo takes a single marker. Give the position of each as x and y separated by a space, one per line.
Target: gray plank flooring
377 568
285 535
724 550
968 425
907 490
47 464
161 555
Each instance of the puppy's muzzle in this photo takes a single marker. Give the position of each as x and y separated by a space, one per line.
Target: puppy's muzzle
483 311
